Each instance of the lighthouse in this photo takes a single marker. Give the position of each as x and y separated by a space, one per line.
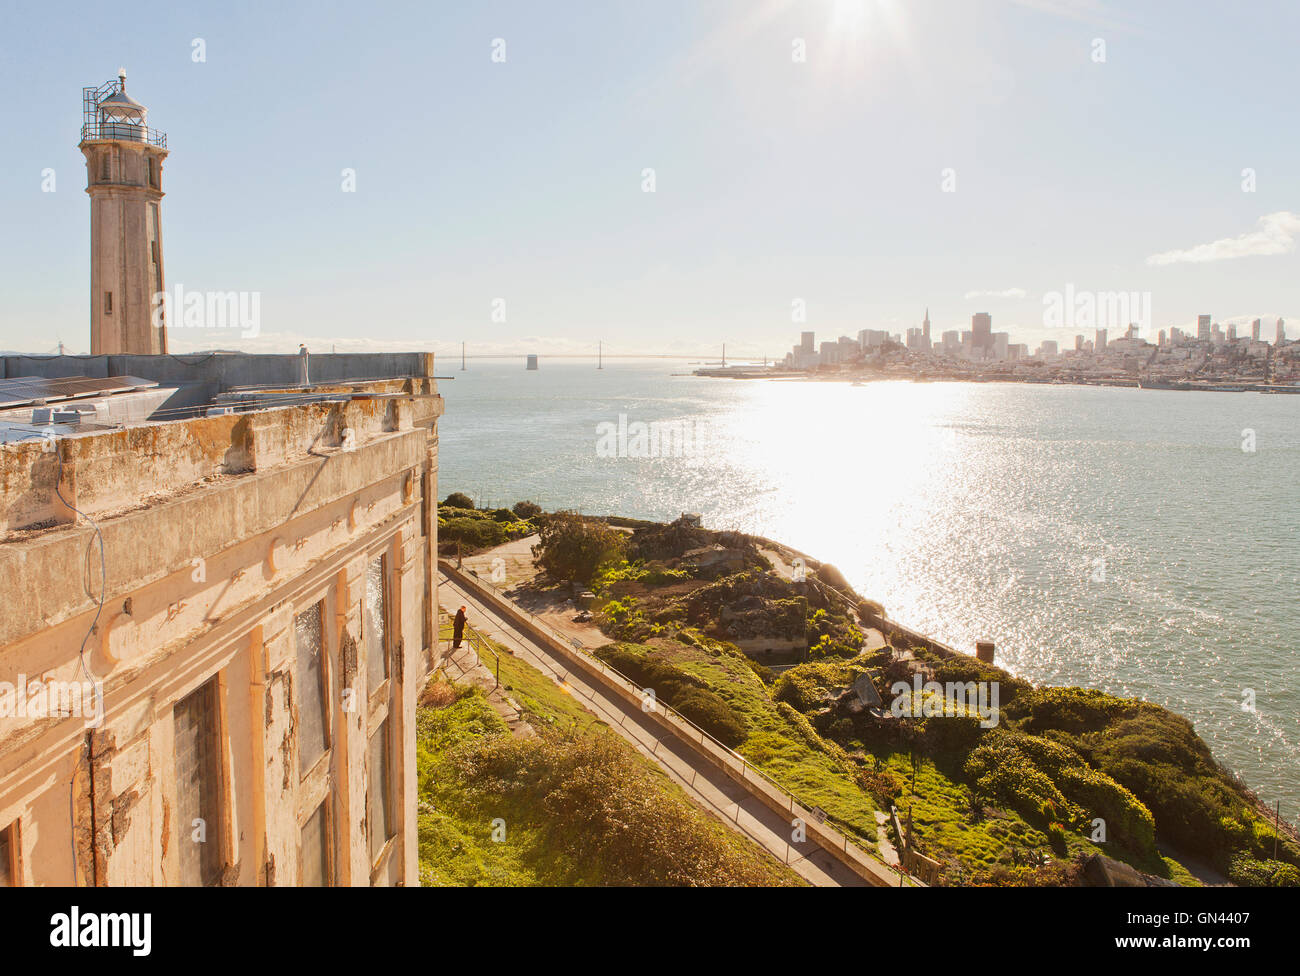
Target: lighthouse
124 161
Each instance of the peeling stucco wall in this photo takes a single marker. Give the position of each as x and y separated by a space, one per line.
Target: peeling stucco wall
288 518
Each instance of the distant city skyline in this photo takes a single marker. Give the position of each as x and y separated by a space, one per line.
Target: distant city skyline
669 181
924 338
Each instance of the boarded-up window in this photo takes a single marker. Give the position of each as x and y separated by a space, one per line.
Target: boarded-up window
105 170
316 850
108 303
198 785
378 816
313 737
375 622
8 858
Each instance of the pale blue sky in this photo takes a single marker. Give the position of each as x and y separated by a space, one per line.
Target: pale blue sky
775 180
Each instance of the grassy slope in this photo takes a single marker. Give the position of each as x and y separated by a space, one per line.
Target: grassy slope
815 770
943 822
985 839
456 810
804 764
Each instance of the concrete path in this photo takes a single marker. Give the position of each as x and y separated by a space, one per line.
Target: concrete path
888 852
510 568
508 564
709 786
464 666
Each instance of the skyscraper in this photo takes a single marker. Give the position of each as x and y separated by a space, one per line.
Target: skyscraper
981 326
1254 330
1203 328
1281 332
1099 343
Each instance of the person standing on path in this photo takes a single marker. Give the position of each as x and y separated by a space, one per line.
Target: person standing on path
458 629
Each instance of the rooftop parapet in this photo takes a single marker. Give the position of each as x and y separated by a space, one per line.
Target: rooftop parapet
200 378
105 470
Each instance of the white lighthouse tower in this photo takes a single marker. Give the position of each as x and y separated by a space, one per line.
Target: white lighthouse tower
124 160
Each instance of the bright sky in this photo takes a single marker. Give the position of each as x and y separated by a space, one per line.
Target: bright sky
518 185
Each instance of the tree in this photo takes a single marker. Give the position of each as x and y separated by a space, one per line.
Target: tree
527 510
571 547
458 499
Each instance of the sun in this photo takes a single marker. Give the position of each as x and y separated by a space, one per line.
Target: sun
849 16
854 16
859 33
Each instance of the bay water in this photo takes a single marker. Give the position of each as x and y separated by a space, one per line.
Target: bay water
1141 542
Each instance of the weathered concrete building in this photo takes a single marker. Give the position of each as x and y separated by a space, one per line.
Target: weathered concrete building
219 603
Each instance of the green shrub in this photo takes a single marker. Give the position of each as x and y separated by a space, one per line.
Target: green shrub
571 547
1074 710
710 713
475 533
1001 771
458 499
1286 876
807 686
591 811
810 735
1045 781
615 571
951 734
679 689
451 512
1253 872
1158 757
882 785
526 510
962 669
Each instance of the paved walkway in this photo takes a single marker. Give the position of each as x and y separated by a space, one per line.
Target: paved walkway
886 847
464 666
511 569
712 788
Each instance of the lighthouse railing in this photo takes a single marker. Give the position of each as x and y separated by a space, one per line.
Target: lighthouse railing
125 132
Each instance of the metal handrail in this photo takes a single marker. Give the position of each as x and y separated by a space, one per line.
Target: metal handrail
124 132
672 712
483 644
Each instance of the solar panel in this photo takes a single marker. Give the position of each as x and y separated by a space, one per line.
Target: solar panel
20 391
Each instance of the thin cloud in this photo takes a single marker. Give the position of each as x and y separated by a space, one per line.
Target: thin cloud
1274 233
1005 293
